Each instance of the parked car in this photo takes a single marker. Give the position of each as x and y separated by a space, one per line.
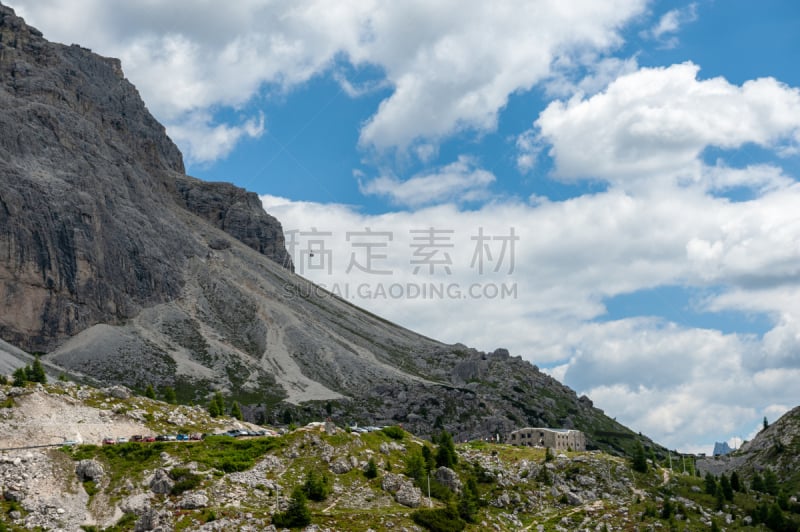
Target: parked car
182 437
122 439
171 437
161 437
137 437
149 439
195 436
109 441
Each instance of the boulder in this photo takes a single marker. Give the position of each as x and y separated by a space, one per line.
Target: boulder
193 500
449 478
89 470
408 495
161 483
340 466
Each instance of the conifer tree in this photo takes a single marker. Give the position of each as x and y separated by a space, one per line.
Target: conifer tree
236 411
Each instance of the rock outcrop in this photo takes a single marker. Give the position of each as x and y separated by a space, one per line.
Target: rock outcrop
91 229
237 212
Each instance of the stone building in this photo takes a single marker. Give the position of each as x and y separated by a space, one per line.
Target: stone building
556 439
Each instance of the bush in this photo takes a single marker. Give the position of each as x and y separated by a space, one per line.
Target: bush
296 515
184 479
394 432
317 487
372 469
439 519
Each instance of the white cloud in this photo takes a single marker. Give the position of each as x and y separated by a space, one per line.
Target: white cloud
458 181
655 123
452 64
678 384
597 74
670 23
204 142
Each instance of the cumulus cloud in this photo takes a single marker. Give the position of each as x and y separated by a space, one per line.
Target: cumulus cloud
655 123
459 181
452 65
676 383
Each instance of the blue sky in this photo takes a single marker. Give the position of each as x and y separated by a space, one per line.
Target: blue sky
640 157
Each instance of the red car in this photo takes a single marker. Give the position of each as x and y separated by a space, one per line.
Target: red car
149 439
109 441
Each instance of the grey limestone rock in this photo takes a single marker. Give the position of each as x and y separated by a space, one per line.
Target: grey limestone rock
89 470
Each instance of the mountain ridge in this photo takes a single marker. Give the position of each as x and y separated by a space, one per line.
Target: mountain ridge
124 269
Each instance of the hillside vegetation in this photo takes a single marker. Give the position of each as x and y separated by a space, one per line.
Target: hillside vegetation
332 478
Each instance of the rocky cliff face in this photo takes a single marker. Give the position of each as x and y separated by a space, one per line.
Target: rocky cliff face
238 213
126 270
88 226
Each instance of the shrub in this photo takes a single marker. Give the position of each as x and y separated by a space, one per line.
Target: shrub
184 479
394 432
439 519
317 487
90 487
372 470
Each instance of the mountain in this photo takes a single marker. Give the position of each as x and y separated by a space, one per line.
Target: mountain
121 269
777 448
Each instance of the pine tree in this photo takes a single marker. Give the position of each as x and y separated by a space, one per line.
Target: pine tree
771 482
36 373
727 489
639 462
317 487
20 377
297 515
711 484
149 392
548 454
469 501
775 519
757 484
372 469
217 405
765 424
236 411
720 497
736 484
415 465
169 394
429 462
446 454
